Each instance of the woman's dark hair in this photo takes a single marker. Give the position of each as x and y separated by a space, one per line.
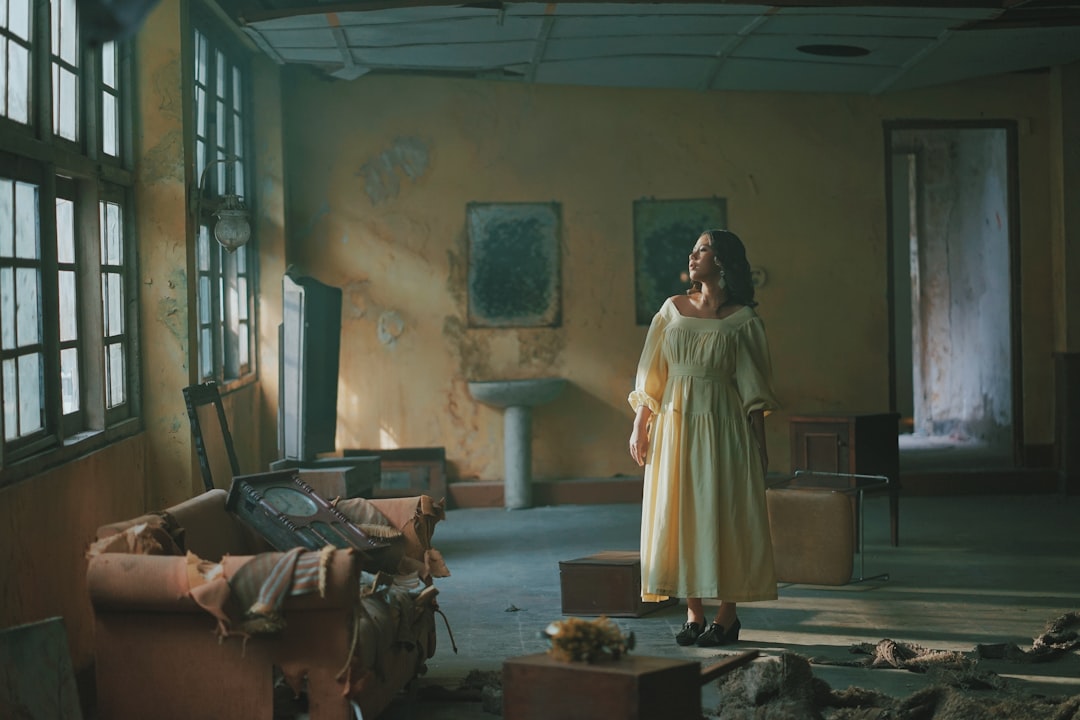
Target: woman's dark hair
729 250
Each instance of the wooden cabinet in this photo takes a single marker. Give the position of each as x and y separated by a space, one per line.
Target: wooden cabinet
861 444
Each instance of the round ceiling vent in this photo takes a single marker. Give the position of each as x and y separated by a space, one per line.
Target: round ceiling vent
834 50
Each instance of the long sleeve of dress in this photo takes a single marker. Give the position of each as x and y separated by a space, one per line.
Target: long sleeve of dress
652 368
753 368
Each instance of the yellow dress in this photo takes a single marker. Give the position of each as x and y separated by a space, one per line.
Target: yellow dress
704 523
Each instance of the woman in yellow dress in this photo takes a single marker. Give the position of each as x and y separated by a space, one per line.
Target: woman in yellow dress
702 389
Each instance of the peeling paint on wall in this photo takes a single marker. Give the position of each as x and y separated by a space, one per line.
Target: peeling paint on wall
390 328
407 156
473 352
540 349
162 163
355 302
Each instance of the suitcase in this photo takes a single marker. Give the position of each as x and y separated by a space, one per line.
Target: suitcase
607 583
635 687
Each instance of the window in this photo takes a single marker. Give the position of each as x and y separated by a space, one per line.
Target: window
225 287
67 378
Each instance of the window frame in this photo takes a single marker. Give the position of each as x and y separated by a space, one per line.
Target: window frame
79 171
213 149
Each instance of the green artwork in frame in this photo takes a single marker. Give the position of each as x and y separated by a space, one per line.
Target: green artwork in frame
664 235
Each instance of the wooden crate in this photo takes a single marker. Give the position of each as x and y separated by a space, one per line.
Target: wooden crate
538 687
607 583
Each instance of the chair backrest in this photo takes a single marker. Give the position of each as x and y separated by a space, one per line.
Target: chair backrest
210 433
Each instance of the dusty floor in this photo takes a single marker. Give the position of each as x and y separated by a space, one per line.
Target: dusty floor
983 569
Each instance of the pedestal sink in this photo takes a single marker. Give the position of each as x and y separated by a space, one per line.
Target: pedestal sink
517 398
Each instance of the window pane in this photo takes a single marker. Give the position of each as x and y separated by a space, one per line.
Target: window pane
26 221
238 94
202 250
3 72
112 297
69 326
18 21
219 86
241 292
112 248
204 300
7 218
18 79
206 368
200 112
108 65
31 393
243 349
65 103
110 131
200 58
69 379
69 47
65 230
114 375
11 395
221 118
7 308
27 306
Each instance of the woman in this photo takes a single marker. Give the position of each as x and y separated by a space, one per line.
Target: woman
703 386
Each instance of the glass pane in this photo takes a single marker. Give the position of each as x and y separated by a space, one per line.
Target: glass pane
239 178
65 230
200 58
112 297
110 131
202 250
114 375
200 158
204 300
108 64
26 221
7 218
7 308
19 18
206 368
241 259
69 47
243 349
18 83
200 112
27 306
69 326
221 123
234 302
113 249
69 379
219 86
238 90
11 396
241 291
65 103
3 72
238 141
31 393
3 14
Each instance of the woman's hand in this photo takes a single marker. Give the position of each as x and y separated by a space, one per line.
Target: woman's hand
639 439
639 445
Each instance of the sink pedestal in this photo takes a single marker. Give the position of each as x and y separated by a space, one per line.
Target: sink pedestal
517 398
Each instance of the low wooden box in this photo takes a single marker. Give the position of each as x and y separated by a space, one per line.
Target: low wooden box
607 583
634 687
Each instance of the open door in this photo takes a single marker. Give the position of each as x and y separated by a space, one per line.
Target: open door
955 376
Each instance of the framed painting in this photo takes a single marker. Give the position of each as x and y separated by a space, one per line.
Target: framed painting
513 267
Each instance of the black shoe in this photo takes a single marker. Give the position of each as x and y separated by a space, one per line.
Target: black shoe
716 635
689 634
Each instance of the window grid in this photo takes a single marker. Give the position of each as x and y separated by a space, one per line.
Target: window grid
15 45
68 376
225 287
111 226
66 77
21 330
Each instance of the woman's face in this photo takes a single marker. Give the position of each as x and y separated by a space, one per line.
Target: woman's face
702 263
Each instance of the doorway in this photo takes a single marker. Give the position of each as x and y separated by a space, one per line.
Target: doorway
954 294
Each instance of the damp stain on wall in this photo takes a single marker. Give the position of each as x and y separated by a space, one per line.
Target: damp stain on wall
474 356
540 348
407 158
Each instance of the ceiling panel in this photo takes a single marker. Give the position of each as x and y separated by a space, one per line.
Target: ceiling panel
685 45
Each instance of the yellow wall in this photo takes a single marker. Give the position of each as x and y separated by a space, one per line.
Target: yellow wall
381 169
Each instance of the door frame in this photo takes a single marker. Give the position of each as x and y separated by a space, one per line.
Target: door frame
889 127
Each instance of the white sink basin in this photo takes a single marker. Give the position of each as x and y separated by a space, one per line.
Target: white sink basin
517 393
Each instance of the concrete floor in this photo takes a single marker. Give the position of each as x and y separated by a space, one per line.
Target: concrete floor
980 569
